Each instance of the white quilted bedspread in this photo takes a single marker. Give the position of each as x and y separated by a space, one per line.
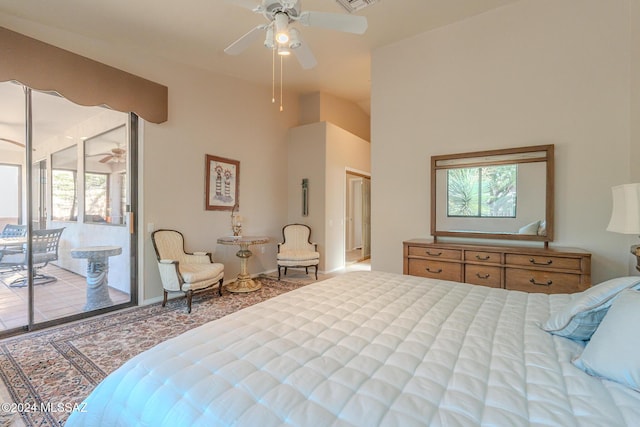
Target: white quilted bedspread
367 349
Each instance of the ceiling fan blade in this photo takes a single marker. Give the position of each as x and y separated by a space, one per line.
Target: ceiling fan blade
304 55
106 159
11 141
243 43
247 4
335 21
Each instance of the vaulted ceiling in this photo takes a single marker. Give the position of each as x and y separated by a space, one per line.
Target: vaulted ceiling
196 33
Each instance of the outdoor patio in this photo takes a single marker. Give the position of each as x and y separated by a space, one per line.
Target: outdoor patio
64 297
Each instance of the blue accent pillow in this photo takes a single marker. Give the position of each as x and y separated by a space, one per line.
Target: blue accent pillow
580 318
612 353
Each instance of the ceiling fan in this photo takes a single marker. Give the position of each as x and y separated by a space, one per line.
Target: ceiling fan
11 141
116 155
282 36
14 142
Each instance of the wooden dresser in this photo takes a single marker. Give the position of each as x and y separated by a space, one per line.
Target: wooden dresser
551 270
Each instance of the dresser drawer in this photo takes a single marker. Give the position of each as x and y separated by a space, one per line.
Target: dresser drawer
541 261
435 252
483 275
529 269
436 269
482 256
541 281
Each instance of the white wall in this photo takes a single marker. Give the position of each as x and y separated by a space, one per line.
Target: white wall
222 116
323 107
634 18
11 178
534 72
208 114
323 152
307 160
345 151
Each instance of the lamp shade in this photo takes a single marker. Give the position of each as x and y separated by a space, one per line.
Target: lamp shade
625 215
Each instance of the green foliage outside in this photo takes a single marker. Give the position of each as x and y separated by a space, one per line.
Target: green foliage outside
482 191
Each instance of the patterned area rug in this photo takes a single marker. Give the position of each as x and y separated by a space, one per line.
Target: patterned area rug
48 373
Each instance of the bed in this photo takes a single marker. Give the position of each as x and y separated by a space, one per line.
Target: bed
368 348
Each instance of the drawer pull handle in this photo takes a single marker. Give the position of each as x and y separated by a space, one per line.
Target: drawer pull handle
547 262
549 282
434 271
483 276
434 254
483 258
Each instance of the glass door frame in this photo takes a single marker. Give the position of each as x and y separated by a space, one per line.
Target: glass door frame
132 209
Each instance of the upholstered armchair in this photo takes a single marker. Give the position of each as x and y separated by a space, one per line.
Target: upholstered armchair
296 250
182 271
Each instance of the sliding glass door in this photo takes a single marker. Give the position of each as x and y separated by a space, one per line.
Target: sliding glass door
74 200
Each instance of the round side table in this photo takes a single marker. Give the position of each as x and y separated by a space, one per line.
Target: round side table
243 283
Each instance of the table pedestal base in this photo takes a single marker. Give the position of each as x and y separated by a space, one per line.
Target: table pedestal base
97 288
97 272
244 283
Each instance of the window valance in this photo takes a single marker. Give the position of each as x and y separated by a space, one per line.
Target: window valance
44 67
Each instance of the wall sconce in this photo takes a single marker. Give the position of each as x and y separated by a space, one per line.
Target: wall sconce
305 197
625 215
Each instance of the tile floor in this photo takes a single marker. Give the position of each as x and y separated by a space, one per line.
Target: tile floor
64 297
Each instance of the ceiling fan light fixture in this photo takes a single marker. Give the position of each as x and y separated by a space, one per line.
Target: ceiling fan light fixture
282 38
282 30
268 41
294 38
283 51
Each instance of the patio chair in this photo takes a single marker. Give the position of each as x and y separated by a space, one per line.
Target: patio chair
182 271
44 248
297 251
12 231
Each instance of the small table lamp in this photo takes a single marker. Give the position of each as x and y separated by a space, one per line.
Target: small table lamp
625 215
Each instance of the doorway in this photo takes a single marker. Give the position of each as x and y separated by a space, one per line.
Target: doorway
358 218
74 197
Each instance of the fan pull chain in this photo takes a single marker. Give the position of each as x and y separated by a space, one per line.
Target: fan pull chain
273 76
281 108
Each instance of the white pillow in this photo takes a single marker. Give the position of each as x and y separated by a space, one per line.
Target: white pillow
530 228
580 318
612 352
542 228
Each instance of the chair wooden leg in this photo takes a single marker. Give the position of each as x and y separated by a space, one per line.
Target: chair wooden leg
279 272
189 298
316 271
164 301
285 271
220 286
306 270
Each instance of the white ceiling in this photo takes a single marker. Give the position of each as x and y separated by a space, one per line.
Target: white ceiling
196 32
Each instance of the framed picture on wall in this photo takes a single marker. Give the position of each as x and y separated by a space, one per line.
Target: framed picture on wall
222 184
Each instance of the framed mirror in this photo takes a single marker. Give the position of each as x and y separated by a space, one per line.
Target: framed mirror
497 194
